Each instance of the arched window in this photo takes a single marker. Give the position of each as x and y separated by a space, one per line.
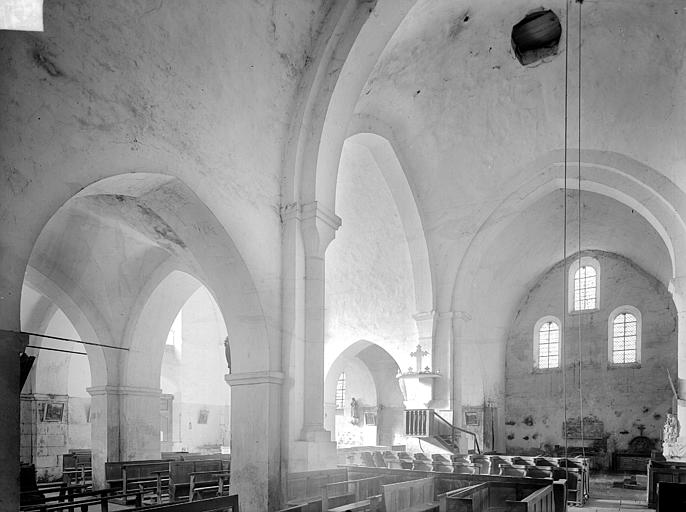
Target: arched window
340 391
547 343
584 275
624 336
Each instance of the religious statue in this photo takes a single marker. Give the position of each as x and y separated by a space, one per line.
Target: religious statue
227 353
672 449
354 411
671 429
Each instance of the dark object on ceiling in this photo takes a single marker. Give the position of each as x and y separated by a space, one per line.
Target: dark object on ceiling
536 36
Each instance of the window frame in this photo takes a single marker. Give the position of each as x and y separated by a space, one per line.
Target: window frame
343 390
537 342
610 336
584 261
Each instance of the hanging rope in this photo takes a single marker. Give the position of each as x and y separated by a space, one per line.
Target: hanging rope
564 237
581 396
58 338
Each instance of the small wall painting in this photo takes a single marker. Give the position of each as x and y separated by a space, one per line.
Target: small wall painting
54 411
471 419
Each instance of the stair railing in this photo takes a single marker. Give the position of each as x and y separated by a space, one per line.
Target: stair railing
424 423
455 429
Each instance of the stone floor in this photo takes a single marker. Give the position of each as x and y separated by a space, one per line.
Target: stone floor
606 498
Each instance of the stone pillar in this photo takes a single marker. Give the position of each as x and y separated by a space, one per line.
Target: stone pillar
139 422
677 287
256 439
11 346
318 228
125 425
104 418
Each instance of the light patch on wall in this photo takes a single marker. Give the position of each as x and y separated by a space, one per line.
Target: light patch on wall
21 15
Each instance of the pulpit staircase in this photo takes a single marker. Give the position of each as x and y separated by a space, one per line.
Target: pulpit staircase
428 425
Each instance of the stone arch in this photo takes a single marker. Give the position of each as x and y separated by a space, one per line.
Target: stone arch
356 34
388 163
383 369
656 200
86 321
624 179
146 333
201 245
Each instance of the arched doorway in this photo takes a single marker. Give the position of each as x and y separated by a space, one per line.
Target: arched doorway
367 373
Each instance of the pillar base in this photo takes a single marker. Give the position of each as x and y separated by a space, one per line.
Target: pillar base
313 455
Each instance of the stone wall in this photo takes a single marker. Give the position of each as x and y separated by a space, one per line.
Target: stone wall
617 401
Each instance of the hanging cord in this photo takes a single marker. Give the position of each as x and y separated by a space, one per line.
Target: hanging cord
564 239
581 396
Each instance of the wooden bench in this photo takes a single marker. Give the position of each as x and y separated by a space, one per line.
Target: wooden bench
663 471
410 496
445 482
499 495
304 488
362 494
218 504
77 466
114 470
85 500
145 476
538 501
192 478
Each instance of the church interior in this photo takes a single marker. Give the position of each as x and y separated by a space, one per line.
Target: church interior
305 237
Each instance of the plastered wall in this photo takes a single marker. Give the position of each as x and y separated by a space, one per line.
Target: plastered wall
194 374
369 287
622 398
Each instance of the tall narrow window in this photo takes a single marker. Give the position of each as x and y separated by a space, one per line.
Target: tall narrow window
340 391
625 335
547 343
585 288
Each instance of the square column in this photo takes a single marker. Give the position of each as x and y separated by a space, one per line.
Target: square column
11 346
125 425
256 439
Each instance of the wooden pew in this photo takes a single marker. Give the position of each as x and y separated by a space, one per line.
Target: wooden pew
218 504
145 476
510 496
114 471
76 467
671 496
538 501
663 471
83 501
188 477
410 496
305 487
361 494
445 482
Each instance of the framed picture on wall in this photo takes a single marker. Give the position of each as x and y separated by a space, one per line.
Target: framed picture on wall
471 419
54 411
370 418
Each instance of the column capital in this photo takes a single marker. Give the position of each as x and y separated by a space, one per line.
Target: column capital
319 225
123 390
252 378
